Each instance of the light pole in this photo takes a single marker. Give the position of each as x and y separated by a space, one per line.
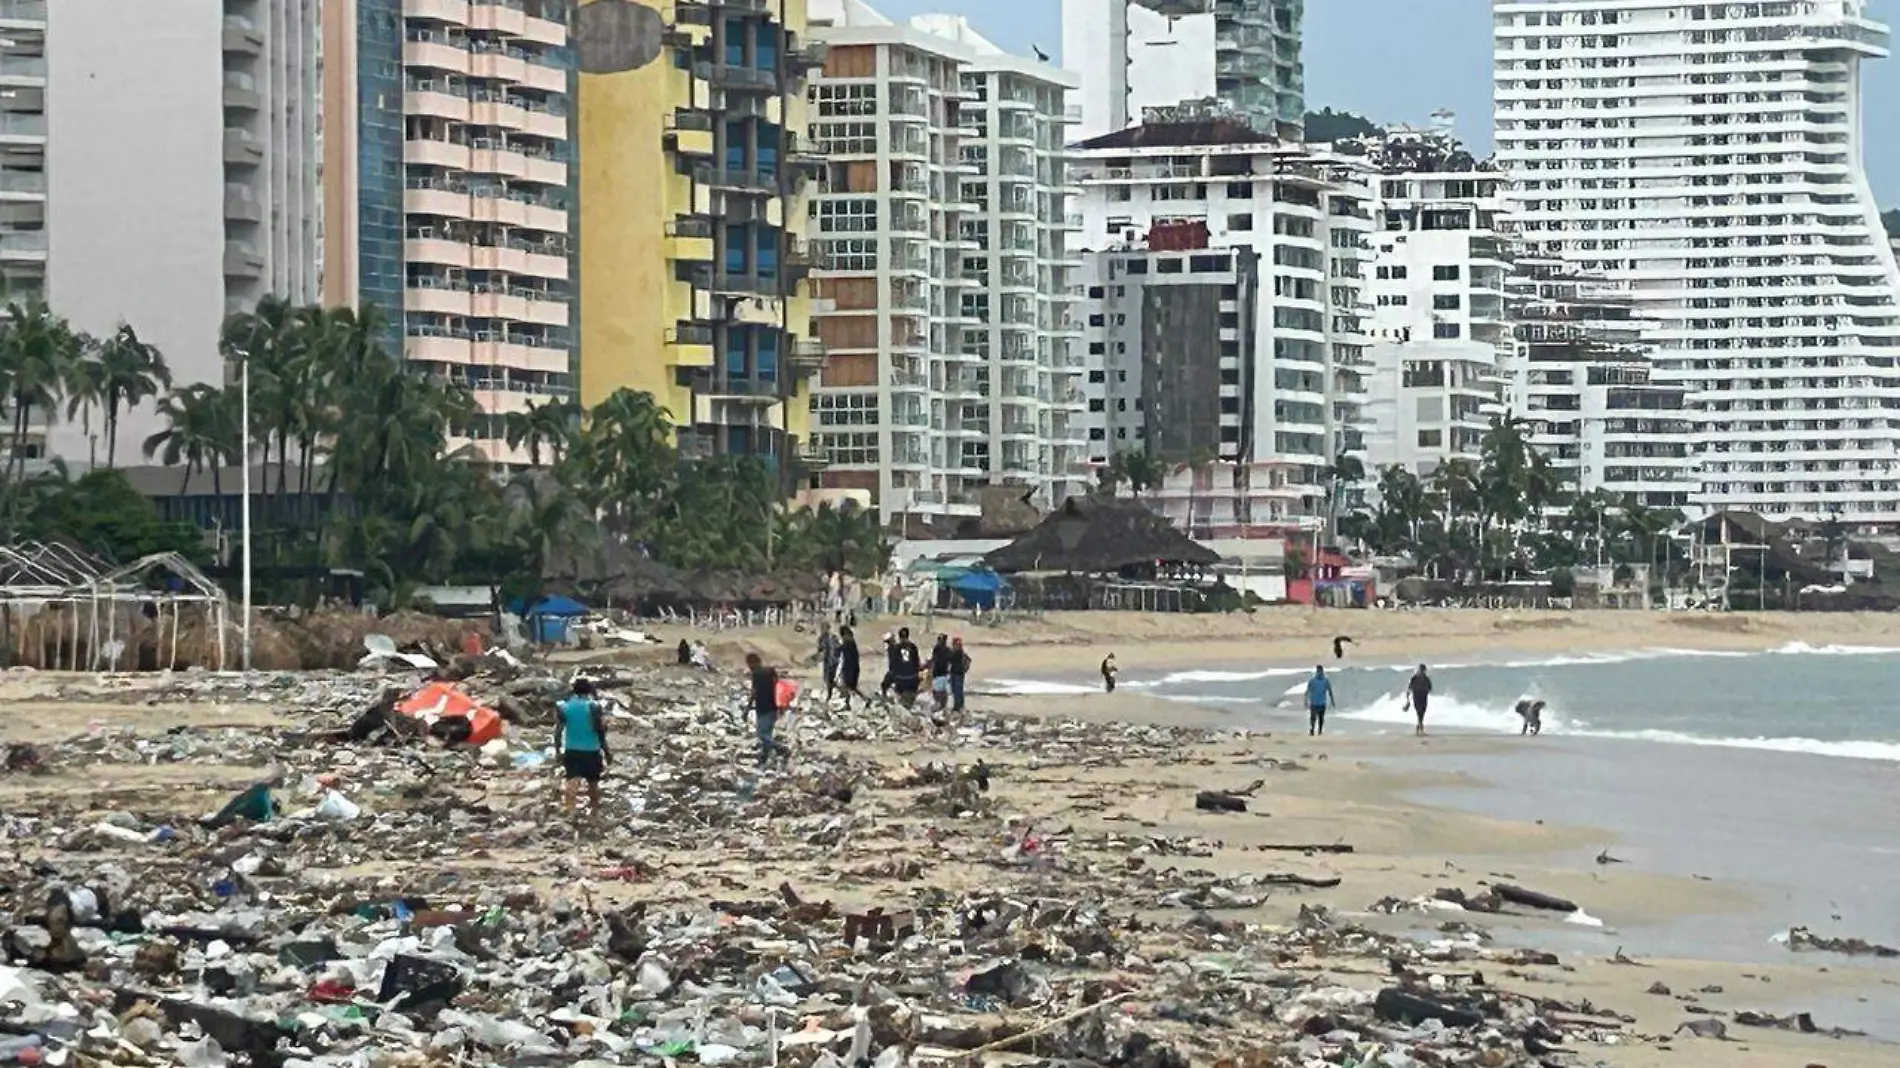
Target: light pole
244 506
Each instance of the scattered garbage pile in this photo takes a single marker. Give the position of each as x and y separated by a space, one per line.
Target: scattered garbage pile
367 887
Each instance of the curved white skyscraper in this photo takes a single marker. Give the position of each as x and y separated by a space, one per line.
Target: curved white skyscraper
1708 156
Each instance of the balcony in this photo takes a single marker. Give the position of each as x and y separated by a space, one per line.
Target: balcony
808 56
17 70
239 204
734 77
240 89
436 153
689 238
22 245
763 391
689 132
435 52
22 11
242 37
685 333
813 456
807 356
750 180
22 126
242 260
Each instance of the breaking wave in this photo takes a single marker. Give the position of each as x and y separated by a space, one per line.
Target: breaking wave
1447 711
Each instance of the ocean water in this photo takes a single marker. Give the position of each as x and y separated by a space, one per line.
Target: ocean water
1771 772
1834 700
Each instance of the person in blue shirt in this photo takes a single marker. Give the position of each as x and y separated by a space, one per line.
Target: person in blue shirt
1319 694
580 741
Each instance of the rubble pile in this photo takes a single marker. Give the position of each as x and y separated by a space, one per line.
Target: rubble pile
331 893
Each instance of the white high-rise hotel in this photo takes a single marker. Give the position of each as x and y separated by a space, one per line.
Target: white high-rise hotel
1708 154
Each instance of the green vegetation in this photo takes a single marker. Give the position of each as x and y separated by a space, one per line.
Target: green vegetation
1326 126
1891 220
1506 516
360 473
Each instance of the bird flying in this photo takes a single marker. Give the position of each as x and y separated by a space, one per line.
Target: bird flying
1339 647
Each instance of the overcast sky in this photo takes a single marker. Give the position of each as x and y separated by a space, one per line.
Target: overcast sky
1400 60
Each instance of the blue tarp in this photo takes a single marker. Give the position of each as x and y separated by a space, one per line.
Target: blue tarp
548 619
979 588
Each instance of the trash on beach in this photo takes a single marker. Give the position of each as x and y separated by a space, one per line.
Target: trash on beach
420 898
380 652
1800 938
1534 899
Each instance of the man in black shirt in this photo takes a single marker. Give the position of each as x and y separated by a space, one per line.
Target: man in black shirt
765 710
906 668
940 663
1418 695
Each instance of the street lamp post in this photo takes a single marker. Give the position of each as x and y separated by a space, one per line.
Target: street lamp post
244 506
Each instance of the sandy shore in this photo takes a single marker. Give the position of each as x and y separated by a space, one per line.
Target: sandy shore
1075 642
1346 791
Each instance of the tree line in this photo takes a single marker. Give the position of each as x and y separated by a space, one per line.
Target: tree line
1507 515
362 470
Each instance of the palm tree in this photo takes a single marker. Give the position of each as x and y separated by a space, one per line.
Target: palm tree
275 340
126 373
1198 461
1345 472
201 432
37 350
85 391
550 424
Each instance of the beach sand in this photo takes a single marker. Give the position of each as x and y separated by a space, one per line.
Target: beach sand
1074 643
1333 791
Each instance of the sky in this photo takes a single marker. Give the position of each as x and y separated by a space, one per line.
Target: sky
1400 60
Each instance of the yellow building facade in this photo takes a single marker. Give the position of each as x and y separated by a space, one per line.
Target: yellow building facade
695 166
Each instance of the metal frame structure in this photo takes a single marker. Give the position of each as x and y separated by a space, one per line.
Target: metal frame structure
37 576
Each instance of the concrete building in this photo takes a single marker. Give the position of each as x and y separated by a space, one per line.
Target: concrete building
1441 341
447 154
1584 381
1138 54
1225 320
695 168
944 282
1708 155
158 167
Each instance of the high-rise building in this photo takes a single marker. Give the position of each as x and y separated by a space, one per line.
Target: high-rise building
944 282
695 170
1225 322
1441 343
1583 381
1707 155
448 187
158 167
1138 54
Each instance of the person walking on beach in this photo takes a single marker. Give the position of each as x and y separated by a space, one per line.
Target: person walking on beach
580 744
1109 671
940 661
959 669
906 668
848 665
765 711
828 659
1319 694
1418 693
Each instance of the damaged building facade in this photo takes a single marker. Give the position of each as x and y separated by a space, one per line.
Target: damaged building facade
1224 317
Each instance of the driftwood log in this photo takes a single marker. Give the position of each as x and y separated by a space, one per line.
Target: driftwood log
1534 899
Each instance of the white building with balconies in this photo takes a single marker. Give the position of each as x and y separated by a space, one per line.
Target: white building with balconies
1708 156
1441 340
943 282
162 187
1225 318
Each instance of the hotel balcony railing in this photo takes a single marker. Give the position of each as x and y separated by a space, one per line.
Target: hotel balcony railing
733 76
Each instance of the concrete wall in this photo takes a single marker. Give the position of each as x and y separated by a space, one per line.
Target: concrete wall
135 205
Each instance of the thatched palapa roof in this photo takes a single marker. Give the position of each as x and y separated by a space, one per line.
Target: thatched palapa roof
1096 534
